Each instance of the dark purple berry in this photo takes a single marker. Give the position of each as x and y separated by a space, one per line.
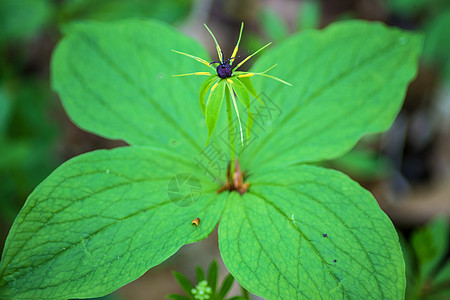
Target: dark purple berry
224 70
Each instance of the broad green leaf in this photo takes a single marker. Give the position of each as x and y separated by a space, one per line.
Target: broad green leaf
21 19
204 89
115 80
272 239
348 80
102 220
214 105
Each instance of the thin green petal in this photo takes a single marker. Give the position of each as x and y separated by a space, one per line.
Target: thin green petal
233 55
273 77
206 85
247 82
233 97
243 95
219 51
213 106
201 60
250 56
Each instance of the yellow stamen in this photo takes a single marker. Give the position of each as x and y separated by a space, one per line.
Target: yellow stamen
214 86
248 57
246 75
229 80
219 51
190 74
233 56
194 57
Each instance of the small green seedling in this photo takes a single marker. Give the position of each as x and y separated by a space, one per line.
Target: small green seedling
206 287
227 81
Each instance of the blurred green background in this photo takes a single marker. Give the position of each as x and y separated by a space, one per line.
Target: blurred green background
407 168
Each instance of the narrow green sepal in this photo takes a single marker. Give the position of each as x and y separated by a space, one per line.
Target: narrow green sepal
241 91
243 95
213 106
206 85
247 82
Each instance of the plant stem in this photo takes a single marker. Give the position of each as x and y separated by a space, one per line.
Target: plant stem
231 135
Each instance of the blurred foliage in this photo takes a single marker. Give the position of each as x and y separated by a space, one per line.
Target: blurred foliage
309 15
169 10
23 19
363 163
207 286
437 43
427 263
275 29
27 136
433 16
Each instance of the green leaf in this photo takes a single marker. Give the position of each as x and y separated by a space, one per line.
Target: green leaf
102 220
115 80
214 105
272 238
430 245
212 276
22 19
199 274
341 90
226 286
185 284
206 85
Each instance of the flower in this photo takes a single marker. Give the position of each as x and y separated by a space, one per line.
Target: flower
226 81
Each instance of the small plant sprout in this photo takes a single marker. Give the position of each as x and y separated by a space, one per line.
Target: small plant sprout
202 291
207 286
226 82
